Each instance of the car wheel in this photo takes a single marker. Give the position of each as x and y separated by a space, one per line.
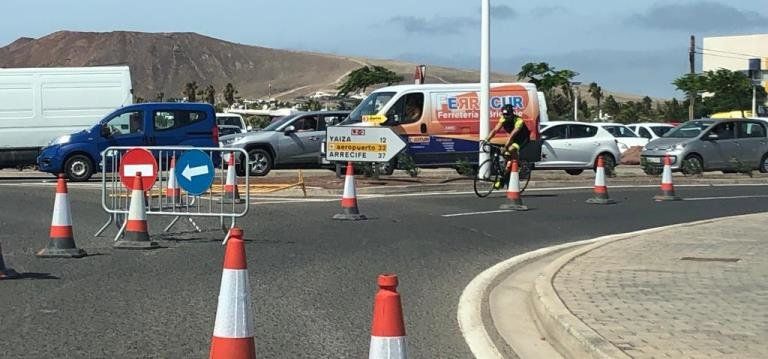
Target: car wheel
387 168
695 165
78 168
259 162
764 164
574 172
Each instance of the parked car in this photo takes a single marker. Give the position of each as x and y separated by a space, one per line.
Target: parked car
624 136
290 142
228 121
651 131
710 145
575 146
78 155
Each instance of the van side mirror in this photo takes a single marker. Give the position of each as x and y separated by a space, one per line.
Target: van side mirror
105 132
289 130
711 137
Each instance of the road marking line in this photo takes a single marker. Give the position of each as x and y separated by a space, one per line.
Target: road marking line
725 197
476 213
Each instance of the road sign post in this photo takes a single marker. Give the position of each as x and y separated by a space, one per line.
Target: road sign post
362 144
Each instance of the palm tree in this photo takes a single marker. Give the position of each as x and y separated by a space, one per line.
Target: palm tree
190 91
597 93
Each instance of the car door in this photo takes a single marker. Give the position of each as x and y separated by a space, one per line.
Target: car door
724 149
752 142
300 143
181 128
581 145
124 129
553 146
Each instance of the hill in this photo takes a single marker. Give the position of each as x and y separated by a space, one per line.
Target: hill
164 62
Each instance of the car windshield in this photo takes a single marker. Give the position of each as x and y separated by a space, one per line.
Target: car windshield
277 123
370 106
619 131
689 129
660 130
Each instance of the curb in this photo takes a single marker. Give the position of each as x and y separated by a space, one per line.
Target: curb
568 334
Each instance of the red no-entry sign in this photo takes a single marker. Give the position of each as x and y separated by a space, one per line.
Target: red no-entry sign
138 161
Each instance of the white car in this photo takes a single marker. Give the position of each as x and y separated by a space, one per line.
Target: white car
624 136
651 131
575 146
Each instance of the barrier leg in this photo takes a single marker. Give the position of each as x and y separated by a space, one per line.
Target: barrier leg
192 221
226 238
104 227
120 232
168 228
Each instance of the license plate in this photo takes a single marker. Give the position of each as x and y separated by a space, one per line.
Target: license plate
653 159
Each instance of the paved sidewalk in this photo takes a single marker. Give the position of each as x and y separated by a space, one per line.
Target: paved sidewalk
699 292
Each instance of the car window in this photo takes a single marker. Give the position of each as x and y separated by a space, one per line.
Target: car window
660 130
169 120
581 131
126 123
644 133
331 120
554 133
751 130
689 129
633 128
725 130
619 131
229 121
306 123
407 109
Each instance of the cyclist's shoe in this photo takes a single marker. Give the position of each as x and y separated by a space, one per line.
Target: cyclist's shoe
497 185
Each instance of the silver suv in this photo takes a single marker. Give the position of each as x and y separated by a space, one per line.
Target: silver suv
288 142
711 145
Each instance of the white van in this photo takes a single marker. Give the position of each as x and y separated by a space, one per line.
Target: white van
41 104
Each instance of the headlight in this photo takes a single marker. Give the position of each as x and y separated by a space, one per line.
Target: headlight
60 140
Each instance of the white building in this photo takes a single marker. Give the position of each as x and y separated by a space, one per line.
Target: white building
734 52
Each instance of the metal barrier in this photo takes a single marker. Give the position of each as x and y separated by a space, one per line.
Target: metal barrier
115 197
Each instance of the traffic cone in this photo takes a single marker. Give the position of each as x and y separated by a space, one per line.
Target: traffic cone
349 198
513 190
136 233
231 194
172 191
387 329
5 272
233 329
62 243
601 191
667 188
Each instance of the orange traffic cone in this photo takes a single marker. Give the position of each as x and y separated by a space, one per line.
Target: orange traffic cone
231 194
513 190
62 243
667 188
172 191
233 330
387 329
5 272
136 232
349 198
601 191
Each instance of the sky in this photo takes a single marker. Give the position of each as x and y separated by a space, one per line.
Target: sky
636 47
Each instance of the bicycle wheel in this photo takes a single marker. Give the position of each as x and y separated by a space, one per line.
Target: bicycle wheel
525 174
484 184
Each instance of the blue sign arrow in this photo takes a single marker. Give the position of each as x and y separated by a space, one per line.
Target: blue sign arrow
194 172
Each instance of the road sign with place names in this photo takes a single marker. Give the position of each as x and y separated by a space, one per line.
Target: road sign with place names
362 144
135 161
194 172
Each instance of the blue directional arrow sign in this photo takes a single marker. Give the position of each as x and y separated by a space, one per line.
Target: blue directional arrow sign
194 172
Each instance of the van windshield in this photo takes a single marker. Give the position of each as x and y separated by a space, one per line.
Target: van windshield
370 106
689 129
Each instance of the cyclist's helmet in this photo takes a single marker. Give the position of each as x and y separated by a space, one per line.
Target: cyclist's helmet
508 111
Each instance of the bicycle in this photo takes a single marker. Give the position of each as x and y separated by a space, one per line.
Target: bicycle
496 171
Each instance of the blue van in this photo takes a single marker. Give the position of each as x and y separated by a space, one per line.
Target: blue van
146 124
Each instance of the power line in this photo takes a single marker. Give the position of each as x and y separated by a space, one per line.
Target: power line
728 52
724 56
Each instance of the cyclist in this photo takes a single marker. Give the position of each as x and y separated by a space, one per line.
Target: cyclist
519 135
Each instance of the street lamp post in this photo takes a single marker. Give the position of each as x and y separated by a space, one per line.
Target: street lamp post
576 100
485 85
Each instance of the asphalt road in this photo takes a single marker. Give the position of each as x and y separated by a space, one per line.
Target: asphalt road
312 278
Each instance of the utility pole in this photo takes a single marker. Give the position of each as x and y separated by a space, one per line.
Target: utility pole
692 61
485 85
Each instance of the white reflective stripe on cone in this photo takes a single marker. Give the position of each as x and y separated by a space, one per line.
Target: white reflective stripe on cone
234 313
61 216
387 348
600 177
172 179
137 211
514 182
231 175
667 176
349 187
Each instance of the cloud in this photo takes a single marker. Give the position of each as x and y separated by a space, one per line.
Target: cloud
503 12
549 10
704 16
435 25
